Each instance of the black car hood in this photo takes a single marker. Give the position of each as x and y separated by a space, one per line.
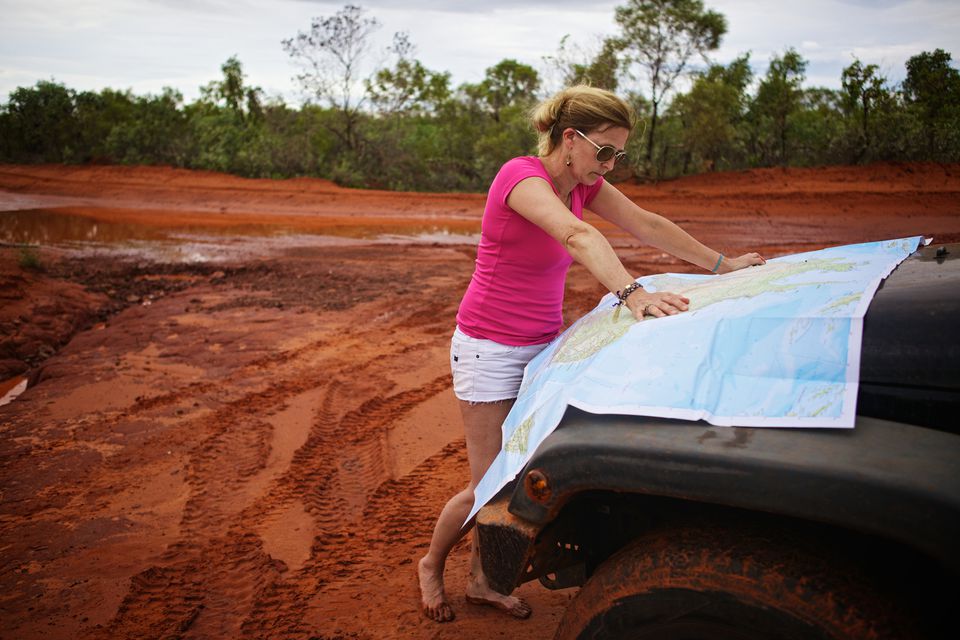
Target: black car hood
910 356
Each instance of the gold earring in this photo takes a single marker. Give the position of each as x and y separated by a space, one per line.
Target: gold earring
568 161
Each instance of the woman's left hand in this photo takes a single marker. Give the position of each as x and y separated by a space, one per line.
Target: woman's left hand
746 260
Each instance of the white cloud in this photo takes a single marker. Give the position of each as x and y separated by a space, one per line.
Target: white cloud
147 44
884 33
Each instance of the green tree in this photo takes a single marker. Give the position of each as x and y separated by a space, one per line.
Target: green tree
227 126
818 128
578 65
157 132
932 83
507 83
408 86
711 113
407 97
459 125
295 142
97 114
661 37
603 68
932 89
864 93
40 124
232 92
778 98
491 120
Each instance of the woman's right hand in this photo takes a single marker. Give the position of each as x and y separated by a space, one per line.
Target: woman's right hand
658 305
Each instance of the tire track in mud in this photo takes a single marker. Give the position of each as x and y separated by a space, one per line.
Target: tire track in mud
197 596
217 578
334 480
396 521
396 524
407 503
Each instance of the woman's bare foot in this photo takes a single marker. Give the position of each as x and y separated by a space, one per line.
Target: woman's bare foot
478 592
433 599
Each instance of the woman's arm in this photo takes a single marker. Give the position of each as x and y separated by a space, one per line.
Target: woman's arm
534 199
655 230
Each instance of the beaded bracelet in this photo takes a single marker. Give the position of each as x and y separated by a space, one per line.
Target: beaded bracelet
622 297
627 290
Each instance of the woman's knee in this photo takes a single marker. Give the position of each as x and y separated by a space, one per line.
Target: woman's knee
467 494
462 500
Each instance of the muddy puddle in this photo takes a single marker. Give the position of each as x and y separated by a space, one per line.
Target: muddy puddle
166 238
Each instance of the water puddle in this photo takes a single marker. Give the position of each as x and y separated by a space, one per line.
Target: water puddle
50 226
168 239
44 226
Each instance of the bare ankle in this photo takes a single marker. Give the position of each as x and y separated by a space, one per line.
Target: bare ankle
429 566
479 579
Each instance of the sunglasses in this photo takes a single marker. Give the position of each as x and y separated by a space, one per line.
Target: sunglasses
605 152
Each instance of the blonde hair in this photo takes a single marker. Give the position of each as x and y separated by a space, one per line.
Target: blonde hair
580 107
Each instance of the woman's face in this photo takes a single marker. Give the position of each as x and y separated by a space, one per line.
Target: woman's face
586 145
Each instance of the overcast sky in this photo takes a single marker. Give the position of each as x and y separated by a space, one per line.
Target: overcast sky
145 45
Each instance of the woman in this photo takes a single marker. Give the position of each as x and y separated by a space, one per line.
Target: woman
532 231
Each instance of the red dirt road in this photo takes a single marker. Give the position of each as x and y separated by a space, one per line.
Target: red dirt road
258 447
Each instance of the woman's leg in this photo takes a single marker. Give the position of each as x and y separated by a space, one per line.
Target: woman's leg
479 591
482 423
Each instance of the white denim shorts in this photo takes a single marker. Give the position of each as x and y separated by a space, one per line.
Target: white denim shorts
487 371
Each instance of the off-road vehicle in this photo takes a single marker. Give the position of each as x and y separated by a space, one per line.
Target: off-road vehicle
679 529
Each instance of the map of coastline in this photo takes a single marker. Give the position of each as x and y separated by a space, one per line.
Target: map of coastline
776 345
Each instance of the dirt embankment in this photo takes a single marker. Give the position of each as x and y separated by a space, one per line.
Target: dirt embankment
258 447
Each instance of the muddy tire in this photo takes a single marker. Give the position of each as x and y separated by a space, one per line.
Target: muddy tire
704 582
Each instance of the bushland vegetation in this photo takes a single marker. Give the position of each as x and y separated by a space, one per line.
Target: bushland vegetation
399 125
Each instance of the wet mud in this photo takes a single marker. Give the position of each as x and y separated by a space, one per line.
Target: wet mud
253 439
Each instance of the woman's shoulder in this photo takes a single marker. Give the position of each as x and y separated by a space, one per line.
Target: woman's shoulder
512 173
517 169
526 165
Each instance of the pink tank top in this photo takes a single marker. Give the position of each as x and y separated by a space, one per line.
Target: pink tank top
516 294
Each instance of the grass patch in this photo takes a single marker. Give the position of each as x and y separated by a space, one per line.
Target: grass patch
29 258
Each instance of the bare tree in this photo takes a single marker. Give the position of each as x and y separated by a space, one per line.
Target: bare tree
332 56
